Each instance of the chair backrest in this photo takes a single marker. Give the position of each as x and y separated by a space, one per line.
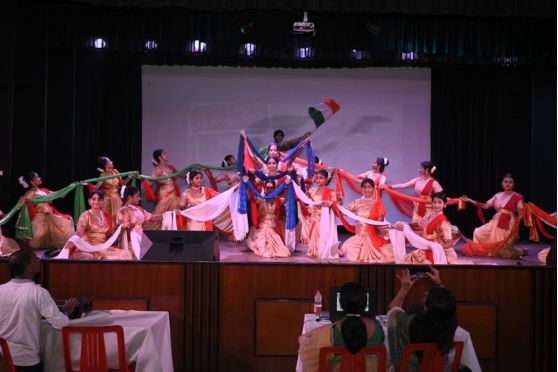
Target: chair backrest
432 360
352 362
8 362
93 352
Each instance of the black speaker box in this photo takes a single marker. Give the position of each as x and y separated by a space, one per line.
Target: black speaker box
182 246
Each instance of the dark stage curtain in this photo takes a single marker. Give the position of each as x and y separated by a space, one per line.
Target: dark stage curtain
481 128
542 8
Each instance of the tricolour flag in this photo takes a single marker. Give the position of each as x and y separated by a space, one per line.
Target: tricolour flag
323 111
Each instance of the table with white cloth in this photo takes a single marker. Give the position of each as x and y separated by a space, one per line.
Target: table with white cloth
468 358
146 334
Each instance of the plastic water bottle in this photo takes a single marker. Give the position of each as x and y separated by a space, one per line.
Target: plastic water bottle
317 304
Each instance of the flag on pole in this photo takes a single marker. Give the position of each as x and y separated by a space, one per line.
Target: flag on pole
323 111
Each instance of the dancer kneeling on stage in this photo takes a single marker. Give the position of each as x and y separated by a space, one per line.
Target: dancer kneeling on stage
436 322
193 196
265 237
497 237
368 243
131 216
436 228
354 331
95 226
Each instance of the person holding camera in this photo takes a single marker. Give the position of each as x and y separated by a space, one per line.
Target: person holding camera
436 322
22 305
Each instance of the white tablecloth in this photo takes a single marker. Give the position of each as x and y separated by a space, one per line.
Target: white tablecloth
146 333
468 358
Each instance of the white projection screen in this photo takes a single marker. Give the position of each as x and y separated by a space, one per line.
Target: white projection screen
196 114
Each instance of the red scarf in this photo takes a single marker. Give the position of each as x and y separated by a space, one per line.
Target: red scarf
426 190
505 218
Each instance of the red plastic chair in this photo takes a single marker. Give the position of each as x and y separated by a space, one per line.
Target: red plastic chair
353 362
8 361
93 352
432 360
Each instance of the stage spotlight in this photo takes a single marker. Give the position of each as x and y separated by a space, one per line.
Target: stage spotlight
359 55
305 53
151 45
248 49
246 28
99 43
197 46
373 29
409 56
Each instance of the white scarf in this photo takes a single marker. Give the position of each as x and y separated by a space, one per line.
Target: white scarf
84 246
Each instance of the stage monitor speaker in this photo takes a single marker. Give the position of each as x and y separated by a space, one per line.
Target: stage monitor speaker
182 246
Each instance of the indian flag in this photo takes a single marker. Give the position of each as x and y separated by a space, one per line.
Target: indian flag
323 111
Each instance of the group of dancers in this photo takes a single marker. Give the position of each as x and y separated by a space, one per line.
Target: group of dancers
112 226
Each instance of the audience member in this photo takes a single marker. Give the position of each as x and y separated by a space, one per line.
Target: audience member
22 304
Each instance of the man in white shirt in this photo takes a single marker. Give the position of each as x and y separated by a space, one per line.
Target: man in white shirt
22 304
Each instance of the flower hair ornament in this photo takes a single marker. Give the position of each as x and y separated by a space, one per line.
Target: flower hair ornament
386 161
100 170
433 169
188 180
154 162
22 182
122 191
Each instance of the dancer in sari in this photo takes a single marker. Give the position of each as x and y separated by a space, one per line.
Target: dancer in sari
377 172
327 196
110 187
51 229
424 186
193 196
95 226
168 193
229 176
265 239
436 227
131 215
498 236
368 243
7 245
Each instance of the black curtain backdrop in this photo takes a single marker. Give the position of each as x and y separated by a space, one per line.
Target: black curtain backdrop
65 103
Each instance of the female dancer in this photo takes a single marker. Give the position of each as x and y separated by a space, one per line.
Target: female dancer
110 187
493 238
194 195
51 229
265 238
327 196
131 215
424 186
368 244
436 227
168 193
229 176
7 245
95 226
377 172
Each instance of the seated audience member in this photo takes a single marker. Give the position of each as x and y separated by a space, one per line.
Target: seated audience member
22 304
436 323
353 331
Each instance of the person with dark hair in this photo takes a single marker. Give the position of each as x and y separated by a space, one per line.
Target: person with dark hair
354 331
231 177
437 323
167 192
424 186
131 216
110 187
282 145
436 228
95 226
51 229
327 196
265 239
368 243
23 304
193 196
498 236
376 174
